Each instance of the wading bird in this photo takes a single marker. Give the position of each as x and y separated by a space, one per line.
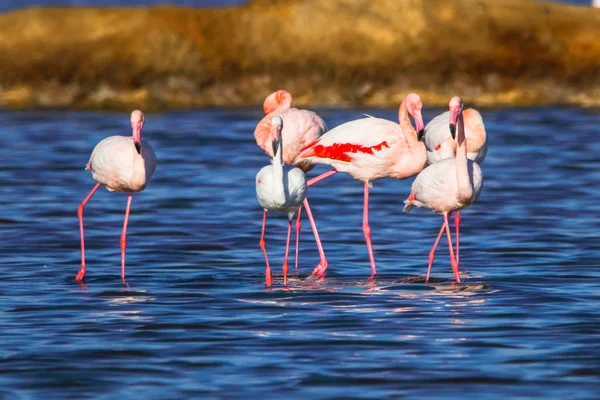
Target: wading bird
301 127
448 185
279 188
122 164
441 145
370 149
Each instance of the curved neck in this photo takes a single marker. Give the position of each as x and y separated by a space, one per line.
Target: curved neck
409 131
465 189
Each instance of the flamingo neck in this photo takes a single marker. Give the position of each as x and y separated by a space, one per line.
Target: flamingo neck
409 131
465 189
277 174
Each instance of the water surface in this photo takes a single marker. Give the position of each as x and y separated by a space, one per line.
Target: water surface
196 319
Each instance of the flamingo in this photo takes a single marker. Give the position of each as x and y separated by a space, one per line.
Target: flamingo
448 185
301 128
440 145
279 188
372 148
122 164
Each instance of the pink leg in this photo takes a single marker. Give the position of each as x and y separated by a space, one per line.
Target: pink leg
452 259
287 248
457 224
367 230
320 178
263 247
124 236
319 269
298 226
81 273
432 251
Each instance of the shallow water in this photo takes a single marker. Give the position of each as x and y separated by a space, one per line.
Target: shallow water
196 319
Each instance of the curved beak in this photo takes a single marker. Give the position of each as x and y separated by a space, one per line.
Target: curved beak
453 131
420 125
138 147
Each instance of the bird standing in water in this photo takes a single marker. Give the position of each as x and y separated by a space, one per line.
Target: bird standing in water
279 188
301 128
372 148
448 185
441 145
122 164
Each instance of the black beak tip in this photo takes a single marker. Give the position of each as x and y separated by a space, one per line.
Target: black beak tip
275 146
138 148
453 130
420 134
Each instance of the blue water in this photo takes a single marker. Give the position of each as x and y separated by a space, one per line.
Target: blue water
196 320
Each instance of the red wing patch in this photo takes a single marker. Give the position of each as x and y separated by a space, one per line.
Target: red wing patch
411 197
439 146
342 151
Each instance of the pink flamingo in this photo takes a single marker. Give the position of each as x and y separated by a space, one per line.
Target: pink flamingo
122 164
301 127
448 185
440 145
279 188
370 149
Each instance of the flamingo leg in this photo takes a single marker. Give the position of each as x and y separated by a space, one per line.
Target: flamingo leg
367 230
452 259
320 178
287 248
81 273
432 251
124 236
457 225
298 226
263 247
322 266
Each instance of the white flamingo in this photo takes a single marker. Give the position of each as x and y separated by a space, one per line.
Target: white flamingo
448 185
279 188
441 145
122 164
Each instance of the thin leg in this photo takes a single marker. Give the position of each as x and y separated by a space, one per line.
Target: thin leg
457 224
124 236
452 259
81 273
263 247
367 230
432 251
298 226
287 248
320 178
319 269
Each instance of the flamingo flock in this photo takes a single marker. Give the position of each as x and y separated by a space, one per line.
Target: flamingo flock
445 156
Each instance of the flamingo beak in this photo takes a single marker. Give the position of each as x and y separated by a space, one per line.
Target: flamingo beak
275 146
138 148
420 134
453 130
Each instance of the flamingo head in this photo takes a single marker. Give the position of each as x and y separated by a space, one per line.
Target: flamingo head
276 128
280 98
456 109
414 104
137 121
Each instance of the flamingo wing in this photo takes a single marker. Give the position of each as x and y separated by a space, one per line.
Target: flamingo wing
362 136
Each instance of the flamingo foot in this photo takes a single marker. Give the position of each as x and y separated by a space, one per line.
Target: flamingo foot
80 274
320 269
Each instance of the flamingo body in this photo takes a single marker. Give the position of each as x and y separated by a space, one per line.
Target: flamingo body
436 188
116 164
368 149
269 194
440 144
